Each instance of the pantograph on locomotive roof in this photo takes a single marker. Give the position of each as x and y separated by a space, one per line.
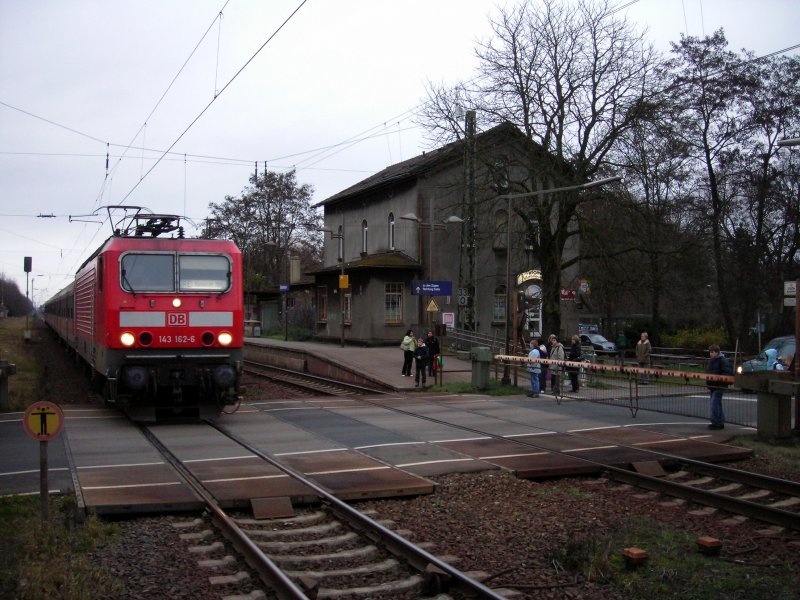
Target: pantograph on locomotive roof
135 221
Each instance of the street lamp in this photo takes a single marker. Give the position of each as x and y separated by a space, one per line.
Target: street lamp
789 142
431 225
510 197
340 236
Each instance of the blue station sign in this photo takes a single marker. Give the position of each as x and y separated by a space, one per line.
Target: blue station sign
431 288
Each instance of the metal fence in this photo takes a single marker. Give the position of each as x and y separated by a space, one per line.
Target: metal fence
674 391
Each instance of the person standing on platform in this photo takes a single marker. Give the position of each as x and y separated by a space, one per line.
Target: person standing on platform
534 368
718 364
408 346
421 362
545 370
643 349
556 353
575 353
432 343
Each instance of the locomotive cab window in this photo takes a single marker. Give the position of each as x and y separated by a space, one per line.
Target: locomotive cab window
203 273
148 272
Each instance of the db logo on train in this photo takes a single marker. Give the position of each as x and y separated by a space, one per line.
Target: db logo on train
177 319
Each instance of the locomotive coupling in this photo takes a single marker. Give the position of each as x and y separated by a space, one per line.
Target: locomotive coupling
135 378
224 376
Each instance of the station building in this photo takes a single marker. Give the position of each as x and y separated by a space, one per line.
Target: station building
434 223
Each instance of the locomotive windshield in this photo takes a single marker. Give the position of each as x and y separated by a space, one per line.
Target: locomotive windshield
155 272
148 272
206 273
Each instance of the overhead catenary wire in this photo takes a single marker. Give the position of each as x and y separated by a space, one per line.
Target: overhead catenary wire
203 111
164 94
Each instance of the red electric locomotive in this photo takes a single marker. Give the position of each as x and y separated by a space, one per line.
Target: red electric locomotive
159 320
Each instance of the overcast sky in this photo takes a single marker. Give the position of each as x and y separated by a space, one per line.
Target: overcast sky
80 74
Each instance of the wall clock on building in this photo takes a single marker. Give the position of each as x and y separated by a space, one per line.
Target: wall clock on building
533 292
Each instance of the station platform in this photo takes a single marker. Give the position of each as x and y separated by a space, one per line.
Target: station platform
381 364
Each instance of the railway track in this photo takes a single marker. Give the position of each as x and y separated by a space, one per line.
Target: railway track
333 551
737 492
713 486
305 382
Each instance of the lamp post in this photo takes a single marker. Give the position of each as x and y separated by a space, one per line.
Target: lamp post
340 236
431 225
511 197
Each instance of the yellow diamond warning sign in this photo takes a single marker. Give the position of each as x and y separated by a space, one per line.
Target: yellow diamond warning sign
43 421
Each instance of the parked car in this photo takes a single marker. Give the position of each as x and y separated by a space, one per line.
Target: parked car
785 345
598 342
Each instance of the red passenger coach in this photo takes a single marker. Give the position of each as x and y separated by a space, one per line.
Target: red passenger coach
158 320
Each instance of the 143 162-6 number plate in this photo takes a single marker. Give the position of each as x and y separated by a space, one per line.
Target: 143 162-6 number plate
176 339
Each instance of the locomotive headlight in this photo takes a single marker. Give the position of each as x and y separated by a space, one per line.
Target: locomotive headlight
176 302
224 338
127 338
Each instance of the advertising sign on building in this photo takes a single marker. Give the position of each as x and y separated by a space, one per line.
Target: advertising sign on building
449 319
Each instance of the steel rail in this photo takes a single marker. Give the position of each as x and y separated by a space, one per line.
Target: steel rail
290 375
267 570
761 512
764 513
398 545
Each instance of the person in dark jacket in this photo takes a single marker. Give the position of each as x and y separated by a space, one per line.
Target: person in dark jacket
718 364
432 343
574 355
544 374
420 361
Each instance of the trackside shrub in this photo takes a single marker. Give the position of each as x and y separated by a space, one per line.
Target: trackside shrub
695 339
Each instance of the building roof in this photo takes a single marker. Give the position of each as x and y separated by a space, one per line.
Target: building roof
413 167
384 260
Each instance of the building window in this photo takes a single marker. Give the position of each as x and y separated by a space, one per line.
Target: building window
347 297
499 304
393 303
322 303
364 230
391 231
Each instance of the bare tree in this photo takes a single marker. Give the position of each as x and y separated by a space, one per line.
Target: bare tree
570 76
658 224
765 231
709 86
268 221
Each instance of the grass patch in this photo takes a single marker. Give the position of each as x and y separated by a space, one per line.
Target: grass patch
675 569
25 387
783 454
599 385
51 560
465 387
